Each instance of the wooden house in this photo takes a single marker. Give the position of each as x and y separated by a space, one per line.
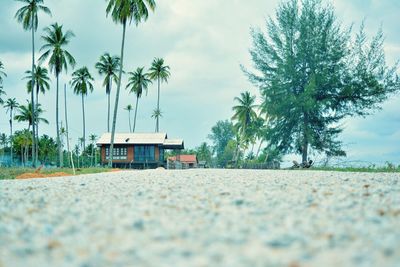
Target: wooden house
137 150
187 161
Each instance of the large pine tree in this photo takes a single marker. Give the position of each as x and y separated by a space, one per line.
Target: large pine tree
312 72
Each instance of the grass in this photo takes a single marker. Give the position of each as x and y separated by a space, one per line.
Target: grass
11 173
373 169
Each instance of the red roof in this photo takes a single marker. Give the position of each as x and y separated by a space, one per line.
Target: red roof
184 158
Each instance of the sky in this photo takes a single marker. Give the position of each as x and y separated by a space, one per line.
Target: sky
204 42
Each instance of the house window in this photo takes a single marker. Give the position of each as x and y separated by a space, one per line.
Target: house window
144 153
161 154
120 153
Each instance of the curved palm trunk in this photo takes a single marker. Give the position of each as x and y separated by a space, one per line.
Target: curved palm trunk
259 148
84 124
158 107
108 105
60 152
66 128
117 97
136 109
32 99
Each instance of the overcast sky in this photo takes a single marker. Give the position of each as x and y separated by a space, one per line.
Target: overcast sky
204 42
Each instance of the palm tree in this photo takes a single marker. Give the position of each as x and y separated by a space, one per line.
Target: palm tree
93 139
157 114
129 108
11 105
2 73
137 83
41 78
108 66
59 59
124 11
25 114
81 83
66 129
28 17
161 73
244 112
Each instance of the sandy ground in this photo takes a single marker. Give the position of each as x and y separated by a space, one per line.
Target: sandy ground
202 218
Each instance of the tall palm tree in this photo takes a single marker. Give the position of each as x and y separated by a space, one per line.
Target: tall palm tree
122 12
137 83
129 108
81 83
25 114
41 77
93 139
108 66
59 59
2 73
156 115
245 112
161 73
11 105
28 17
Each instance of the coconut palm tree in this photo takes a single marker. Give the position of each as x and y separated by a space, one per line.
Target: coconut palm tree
129 108
123 12
81 83
161 73
108 66
245 113
2 73
156 115
137 83
93 139
28 17
25 114
11 105
59 59
41 77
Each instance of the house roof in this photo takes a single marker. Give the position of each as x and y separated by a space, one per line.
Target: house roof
133 138
184 158
142 139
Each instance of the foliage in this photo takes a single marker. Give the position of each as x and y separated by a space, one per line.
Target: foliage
41 79
25 114
312 74
221 134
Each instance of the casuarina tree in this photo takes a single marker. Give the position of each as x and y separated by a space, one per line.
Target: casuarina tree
312 72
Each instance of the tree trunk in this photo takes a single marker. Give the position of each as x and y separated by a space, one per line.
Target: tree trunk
11 137
158 107
66 128
83 120
117 97
130 126
304 149
259 148
32 98
136 109
60 152
37 123
109 101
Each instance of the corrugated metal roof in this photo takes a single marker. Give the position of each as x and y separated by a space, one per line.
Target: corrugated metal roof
133 138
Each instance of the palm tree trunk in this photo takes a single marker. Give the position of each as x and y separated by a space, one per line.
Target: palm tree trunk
37 123
158 107
109 103
60 152
259 148
66 128
32 98
117 97
11 136
136 109
83 120
130 124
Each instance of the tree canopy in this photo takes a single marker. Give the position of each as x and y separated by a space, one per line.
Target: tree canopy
312 72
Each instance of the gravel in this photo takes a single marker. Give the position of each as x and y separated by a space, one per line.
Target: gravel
202 218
